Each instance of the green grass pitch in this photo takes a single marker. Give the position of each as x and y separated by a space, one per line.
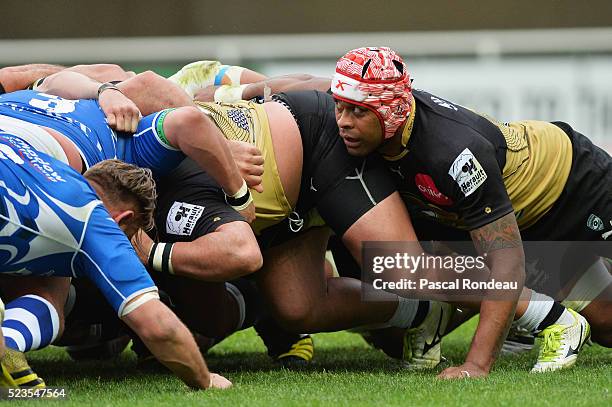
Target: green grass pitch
345 372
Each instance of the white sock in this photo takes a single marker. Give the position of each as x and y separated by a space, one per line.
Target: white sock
565 319
404 313
589 286
30 322
538 308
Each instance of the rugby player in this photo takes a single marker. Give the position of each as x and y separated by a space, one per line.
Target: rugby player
55 224
207 240
209 247
77 133
498 181
589 286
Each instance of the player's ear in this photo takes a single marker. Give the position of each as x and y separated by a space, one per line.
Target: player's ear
123 218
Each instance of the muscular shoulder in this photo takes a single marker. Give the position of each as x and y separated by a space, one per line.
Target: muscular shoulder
449 123
443 131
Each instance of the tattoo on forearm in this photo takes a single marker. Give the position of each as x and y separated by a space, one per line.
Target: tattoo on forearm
501 338
501 234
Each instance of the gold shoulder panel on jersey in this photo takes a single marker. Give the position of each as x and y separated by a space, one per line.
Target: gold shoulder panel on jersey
538 162
236 120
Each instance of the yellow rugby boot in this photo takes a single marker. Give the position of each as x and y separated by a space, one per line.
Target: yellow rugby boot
561 344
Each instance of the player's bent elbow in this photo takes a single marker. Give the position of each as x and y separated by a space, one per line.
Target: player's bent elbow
190 116
153 322
248 258
159 330
246 262
149 79
253 259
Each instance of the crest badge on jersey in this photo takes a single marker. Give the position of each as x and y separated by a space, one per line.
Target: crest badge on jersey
467 172
595 223
182 218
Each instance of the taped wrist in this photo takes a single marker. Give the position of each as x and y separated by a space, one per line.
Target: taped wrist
229 93
231 72
241 199
34 85
160 258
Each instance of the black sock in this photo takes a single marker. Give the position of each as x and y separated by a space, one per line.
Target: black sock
421 313
552 316
276 339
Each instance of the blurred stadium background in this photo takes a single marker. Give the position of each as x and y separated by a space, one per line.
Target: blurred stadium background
545 59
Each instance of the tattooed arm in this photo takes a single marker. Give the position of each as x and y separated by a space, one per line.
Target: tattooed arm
500 242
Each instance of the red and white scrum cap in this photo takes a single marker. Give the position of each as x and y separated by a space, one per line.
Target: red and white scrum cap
375 78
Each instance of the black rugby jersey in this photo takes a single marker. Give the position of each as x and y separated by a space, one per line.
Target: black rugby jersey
466 170
190 204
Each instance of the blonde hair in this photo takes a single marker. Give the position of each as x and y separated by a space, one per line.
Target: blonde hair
123 182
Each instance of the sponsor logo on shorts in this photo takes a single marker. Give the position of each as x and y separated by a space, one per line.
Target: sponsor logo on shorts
182 218
595 223
467 172
428 189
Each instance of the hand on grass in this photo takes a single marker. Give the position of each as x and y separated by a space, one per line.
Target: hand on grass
468 370
219 382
